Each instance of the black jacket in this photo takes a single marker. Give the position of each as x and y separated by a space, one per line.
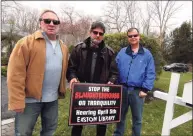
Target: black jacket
77 60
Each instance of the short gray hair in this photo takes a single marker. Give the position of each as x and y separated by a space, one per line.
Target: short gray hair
47 10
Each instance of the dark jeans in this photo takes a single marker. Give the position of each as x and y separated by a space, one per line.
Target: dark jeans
25 122
132 99
77 130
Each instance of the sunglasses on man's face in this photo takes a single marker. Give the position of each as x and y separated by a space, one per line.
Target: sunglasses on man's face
48 21
96 33
130 36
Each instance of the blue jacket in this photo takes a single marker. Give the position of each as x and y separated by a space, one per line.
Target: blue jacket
136 70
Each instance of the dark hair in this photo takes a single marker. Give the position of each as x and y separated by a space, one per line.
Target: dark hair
97 24
131 29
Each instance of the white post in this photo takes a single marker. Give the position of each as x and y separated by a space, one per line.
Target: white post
173 89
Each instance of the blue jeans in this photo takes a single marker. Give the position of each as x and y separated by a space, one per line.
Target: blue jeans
132 99
25 122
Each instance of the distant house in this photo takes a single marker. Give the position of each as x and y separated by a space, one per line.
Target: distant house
7 28
6 31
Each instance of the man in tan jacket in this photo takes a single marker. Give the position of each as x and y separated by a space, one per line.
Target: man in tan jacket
36 77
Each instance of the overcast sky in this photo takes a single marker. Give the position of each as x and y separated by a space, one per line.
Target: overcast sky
95 8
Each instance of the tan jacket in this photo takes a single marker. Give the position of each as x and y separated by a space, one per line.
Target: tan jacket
25 72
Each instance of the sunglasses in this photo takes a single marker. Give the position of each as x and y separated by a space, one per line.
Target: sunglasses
48 21
96 33
130 36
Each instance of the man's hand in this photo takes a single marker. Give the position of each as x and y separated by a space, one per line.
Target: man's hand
142 94
73 80
19 110
109 82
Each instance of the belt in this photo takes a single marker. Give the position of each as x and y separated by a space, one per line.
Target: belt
131 88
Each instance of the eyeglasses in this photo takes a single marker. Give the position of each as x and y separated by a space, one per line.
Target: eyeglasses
130 36
48 21
96 33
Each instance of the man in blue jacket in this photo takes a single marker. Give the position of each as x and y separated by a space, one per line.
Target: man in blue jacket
137 74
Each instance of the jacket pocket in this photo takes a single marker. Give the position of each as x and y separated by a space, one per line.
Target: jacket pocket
34 86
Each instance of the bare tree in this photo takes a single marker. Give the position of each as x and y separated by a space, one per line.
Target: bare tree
27 20
70 15
114 16
33 21
74 27
120 15
83 25
8 7
132 13
163 11
146 21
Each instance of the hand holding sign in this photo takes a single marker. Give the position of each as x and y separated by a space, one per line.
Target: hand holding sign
73 80
109 82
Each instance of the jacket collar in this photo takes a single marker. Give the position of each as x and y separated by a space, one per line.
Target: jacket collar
38 35
129 50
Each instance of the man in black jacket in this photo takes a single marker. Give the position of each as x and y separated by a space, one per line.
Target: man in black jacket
91 61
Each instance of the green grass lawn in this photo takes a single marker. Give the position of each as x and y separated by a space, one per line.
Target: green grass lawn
152 116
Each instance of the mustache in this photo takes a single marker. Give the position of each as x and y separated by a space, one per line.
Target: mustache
96 41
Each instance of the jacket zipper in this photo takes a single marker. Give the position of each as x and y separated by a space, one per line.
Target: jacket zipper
129 69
